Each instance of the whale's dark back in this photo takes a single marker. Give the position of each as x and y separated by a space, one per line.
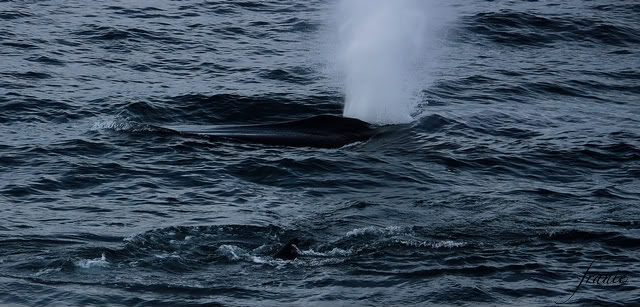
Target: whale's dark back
325 131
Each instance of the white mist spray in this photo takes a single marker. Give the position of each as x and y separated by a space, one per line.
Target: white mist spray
380 51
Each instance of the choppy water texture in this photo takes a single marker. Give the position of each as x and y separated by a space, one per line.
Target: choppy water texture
521 169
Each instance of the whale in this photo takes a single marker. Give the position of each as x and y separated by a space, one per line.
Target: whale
321 131
289 251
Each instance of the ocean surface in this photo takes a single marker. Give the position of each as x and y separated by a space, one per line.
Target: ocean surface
520 169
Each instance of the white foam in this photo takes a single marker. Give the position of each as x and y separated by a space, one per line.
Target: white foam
47 271
448 243
301 261
165 255
112 123
389 230
231 251
91 263
432 244
336 252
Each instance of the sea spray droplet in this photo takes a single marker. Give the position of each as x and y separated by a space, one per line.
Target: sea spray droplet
380 53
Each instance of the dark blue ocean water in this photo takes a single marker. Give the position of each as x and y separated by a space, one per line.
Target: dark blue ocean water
519 172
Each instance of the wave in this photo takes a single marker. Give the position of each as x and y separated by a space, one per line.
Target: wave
96 32
228 108
519 29
16 107
578 236
14 14
188 248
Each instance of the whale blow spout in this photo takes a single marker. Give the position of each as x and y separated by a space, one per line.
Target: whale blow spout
381 52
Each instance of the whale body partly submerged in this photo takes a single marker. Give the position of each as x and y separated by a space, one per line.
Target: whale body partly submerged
289 251
324 131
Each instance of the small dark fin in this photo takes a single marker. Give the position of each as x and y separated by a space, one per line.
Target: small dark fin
289 251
